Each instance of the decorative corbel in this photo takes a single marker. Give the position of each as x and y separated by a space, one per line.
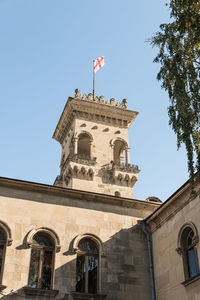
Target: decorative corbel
179 250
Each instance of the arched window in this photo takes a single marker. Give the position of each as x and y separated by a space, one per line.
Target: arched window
42 261
120 152
84 143
3 242
188 240
87 267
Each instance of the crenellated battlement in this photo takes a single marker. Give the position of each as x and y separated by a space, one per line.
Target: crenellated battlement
101 100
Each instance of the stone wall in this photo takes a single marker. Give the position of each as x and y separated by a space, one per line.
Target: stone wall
102 181
124 262
181 208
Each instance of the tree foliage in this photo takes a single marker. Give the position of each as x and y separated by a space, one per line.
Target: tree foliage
179 56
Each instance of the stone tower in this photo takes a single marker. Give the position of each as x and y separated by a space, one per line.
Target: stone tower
93 134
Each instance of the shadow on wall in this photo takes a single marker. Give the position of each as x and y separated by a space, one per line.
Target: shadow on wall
124 269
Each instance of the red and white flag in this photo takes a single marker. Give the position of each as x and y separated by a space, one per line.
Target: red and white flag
98 63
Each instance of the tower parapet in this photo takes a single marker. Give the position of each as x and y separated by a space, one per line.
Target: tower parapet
101 99
93 134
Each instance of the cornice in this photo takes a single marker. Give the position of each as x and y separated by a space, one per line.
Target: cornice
76 194
93 111
173 205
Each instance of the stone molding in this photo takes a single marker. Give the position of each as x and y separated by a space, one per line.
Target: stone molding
195 239
2 287
80 159
179 250
93 237
86 296
112 142
191 280
76 136
126 168
75 170
168 214
78 166
39 292
48 231
172 206
121 179
7 230
120 174
66 193
92 111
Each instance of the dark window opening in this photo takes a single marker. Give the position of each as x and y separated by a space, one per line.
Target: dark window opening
42 262
87 267
119 152
84 145
3 240
117 194
80 273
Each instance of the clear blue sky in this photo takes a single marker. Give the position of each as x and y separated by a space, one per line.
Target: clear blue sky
46 51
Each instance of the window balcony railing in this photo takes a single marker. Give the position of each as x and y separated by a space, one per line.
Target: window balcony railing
130 168
81 158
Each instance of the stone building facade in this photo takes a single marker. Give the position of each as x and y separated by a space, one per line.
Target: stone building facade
86 237
65 215
175 228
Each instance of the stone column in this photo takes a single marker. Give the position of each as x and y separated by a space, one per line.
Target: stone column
90 143
127 156
75 145
121 158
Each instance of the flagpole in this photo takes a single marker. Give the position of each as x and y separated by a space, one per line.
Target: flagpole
93 80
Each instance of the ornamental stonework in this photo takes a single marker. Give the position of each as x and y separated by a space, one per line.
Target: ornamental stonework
93 133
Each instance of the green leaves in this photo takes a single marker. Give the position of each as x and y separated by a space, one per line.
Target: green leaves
179 57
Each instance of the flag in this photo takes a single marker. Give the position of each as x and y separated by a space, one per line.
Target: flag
98 63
